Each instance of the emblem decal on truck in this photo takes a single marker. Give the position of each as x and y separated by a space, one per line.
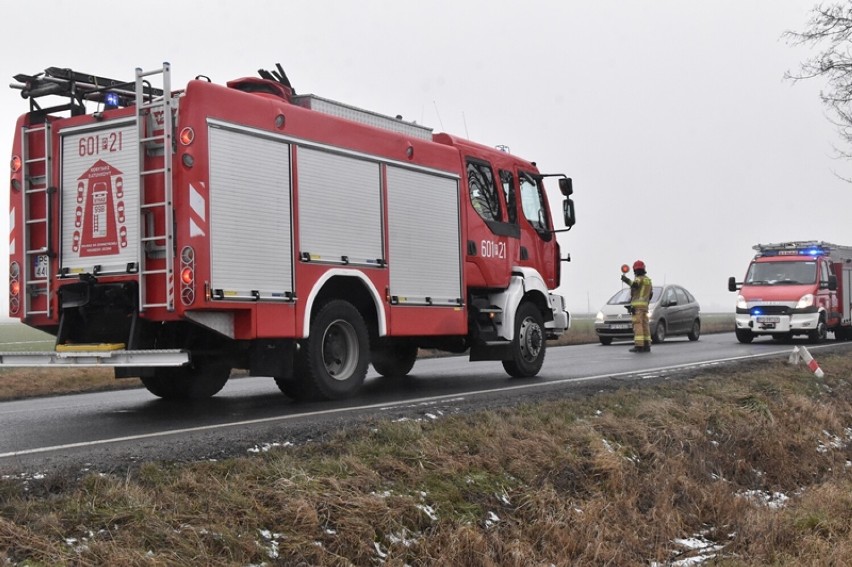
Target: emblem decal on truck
100 214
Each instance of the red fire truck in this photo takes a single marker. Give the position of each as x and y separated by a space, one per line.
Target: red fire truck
795 288
178 234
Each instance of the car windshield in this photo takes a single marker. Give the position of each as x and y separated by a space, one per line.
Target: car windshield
623 296
781 273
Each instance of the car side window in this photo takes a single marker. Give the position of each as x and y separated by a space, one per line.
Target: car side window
483 191
682 299
670 297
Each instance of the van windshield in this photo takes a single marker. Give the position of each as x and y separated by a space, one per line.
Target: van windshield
623 296
781 273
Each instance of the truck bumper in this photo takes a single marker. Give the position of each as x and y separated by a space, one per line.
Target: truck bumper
796 324
561 318
115 358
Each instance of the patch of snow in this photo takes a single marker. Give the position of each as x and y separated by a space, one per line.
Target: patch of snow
491 520
428 510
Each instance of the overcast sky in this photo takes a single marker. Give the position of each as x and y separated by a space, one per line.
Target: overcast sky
685 143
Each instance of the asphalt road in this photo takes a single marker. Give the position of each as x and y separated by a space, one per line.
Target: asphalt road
113 430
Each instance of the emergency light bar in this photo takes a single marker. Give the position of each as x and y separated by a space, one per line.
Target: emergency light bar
812 248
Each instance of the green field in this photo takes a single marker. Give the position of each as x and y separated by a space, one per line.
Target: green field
17 337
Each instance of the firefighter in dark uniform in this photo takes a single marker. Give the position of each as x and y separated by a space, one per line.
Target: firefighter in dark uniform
640 297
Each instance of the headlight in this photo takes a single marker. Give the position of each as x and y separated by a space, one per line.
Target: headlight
806 301
741 302
599 317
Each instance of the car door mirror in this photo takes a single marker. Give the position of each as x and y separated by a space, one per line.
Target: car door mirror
832 282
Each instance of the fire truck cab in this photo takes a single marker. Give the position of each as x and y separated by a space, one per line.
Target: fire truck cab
178 234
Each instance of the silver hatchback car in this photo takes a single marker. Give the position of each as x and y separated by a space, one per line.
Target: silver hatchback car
672 311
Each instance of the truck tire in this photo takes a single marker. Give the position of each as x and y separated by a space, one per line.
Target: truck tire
820 333
744 336
332 362
529 345
201 380
605 340
394 360
695 332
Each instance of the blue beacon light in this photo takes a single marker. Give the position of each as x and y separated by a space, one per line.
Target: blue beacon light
111 100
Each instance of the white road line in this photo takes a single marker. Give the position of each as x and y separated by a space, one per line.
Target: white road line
384 406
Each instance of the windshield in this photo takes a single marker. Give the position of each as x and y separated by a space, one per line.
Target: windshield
781 273
623 296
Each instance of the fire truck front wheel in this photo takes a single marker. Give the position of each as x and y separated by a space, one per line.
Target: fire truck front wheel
529 345
332 361
204 379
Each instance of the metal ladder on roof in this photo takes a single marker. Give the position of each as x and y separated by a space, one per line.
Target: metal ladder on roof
36 271
153 113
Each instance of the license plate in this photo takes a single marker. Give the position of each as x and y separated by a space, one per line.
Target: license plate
40 267
620 326
769 319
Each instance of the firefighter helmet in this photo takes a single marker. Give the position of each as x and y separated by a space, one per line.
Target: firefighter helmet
638 265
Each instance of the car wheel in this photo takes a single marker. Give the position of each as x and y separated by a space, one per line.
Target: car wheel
744 336
605 340
529 345
660 332
696 331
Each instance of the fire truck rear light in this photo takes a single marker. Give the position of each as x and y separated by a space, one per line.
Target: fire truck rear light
14 288
187 275
15 164
187 160
187 136
16 185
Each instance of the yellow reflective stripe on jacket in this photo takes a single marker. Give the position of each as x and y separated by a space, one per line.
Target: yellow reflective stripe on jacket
640 291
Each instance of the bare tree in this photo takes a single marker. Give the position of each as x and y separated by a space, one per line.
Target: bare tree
829 29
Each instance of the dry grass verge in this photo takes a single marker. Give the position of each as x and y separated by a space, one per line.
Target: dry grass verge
754 464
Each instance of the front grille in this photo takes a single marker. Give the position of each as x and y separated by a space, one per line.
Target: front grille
770 310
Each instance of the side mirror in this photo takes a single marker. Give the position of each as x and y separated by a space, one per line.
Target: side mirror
732 283
568 210
832 282
566 186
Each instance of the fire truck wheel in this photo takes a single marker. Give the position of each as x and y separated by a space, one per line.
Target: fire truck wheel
204 379
394 360
605 340
820 333
529 346
332 361
744 336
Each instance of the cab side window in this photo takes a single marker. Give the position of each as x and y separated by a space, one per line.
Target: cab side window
508 181
483 191
533 205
